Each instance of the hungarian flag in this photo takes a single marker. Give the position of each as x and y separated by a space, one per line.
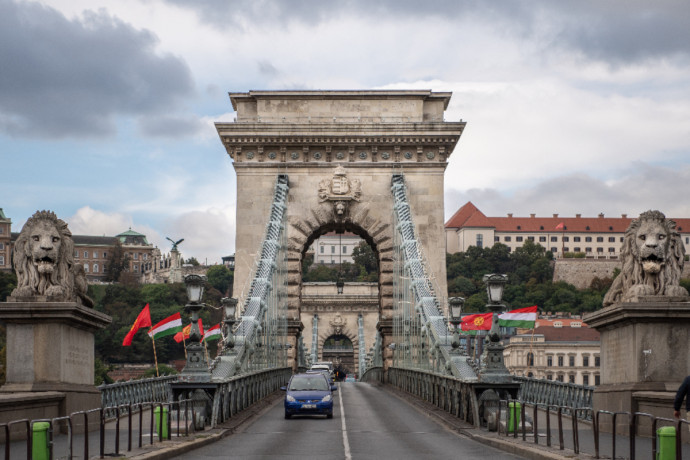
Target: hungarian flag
184 333
560 226
213 333
478 322
522 317
143 320
169 326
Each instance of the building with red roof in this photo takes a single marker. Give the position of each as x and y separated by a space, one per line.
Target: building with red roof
594 237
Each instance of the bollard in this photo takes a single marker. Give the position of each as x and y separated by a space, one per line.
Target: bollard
666 443
161 422
514 414
39 446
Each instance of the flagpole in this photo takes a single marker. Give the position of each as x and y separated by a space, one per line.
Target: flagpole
205 348
155 358
184 344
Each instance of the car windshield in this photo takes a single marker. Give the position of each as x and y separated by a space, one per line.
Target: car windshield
304 383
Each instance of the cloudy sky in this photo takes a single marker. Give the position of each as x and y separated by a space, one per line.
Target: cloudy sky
107 107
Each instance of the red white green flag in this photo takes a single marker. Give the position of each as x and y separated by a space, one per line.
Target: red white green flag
478 322
522 317
143 320
169 326
213 333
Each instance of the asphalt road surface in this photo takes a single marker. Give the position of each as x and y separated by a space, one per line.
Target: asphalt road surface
368 423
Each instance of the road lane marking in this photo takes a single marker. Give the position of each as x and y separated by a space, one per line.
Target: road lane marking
346 442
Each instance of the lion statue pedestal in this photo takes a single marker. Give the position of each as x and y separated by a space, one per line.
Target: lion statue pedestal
50 327
644 325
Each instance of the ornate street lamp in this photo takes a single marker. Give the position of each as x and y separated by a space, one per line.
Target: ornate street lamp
196 368
492 367
229 312
340 284
455 305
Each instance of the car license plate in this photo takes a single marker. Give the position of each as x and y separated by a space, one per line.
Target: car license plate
308 406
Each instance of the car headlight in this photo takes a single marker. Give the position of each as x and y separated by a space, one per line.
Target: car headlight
326 398
290 398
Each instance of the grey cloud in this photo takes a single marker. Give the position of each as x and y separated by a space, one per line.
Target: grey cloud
170 126
637 189
65 77
601 29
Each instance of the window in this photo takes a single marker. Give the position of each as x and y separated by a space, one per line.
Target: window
530 359
76 253
571 361
585 380
2 246
332 249
542 239
530 238
577 249
554 250
588 249
549 376
95 268
612 239
480 241
497 239
554 239
588 239
621 240
549 361
600 239
566 239
86 268
321 249
559 378
518 239
95 255
344 249
332 261
612 249
136 268
143 256
566 249
596 361
596 379
571 378
136 256
585 361
560 362
2 230
105 269
530 375
86 254
105 255
576 239
601 250
2 260
507 238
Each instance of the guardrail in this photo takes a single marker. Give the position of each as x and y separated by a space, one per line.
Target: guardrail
554 393
623 429
155 389
444 391
78 424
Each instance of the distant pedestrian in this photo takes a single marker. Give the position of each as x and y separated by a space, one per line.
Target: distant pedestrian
683 393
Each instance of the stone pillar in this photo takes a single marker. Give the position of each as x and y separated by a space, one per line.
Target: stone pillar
643 355
50 348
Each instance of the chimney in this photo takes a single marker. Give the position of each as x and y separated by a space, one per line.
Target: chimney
624 216
532 216
577 216
601 215
510 214
555 215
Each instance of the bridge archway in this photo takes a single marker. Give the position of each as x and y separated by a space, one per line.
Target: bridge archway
340 151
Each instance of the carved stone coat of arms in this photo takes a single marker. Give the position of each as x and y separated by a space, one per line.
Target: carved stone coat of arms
340 190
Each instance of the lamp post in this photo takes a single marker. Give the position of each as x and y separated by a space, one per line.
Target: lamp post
455 305
492 367
196 368
229 312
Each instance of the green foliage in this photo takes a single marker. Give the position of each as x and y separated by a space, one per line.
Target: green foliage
8 281
530 274
162 370
192 261
365 268
220 277
685 283
100 373
574 255
117 264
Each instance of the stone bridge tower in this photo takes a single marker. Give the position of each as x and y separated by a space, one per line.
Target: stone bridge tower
340 150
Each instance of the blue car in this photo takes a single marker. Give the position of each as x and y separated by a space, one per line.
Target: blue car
309 394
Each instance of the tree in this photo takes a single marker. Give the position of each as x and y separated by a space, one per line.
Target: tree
364 256
8 281
192 261
220 277
117 264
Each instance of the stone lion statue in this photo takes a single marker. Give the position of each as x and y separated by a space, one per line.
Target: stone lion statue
652 256
44 261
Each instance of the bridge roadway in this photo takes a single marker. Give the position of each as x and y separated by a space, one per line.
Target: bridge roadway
368 423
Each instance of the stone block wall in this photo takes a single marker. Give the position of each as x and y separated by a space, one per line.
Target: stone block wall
581 272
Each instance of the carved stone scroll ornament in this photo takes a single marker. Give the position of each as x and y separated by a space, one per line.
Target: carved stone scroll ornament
338 323
44 262
652 259
340 191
